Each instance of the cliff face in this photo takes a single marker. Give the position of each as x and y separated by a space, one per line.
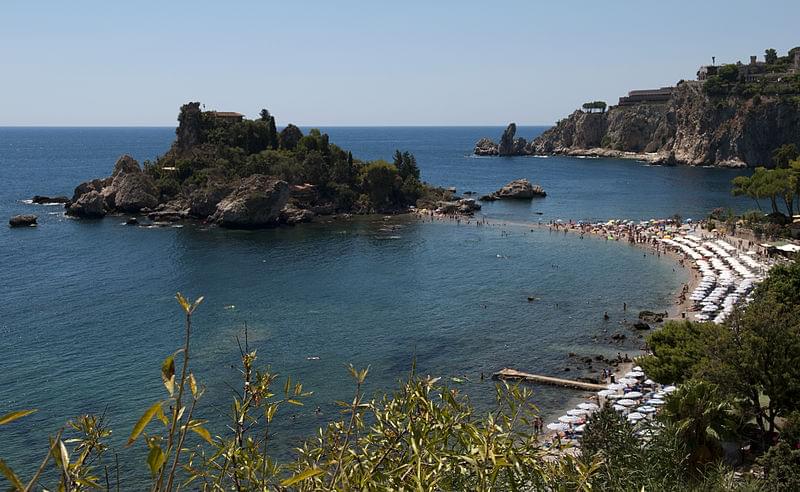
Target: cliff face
690 128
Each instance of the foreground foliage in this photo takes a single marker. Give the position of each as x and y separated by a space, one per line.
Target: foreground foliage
427 436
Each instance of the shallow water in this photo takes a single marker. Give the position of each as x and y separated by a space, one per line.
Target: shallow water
88 310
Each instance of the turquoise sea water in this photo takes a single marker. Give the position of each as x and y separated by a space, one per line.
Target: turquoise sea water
87 311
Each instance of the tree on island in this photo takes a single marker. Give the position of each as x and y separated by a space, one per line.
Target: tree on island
784 155
770 56
594 105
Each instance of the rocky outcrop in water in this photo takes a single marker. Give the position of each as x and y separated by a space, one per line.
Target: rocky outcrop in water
48 200
257 202
89 205
519 189
508 146
127 190
690 128
26 220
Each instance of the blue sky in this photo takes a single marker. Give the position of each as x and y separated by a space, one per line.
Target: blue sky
361 63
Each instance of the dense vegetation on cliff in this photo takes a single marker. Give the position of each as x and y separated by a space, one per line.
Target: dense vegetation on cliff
774 78
211 149
739 385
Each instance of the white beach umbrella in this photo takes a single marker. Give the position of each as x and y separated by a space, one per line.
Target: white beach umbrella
633 394
607 392
580 428
588 406
633 417
655 402
616 386
646 409
649 382
620 408
625 402
568 419
628 381
577 412
669 389
557 426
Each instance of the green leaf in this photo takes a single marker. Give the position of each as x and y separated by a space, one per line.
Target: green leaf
142 423
10 417
11 476
161 416
310 473
156 459
202 432
168 374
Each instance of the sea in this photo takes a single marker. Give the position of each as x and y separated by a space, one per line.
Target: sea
87 307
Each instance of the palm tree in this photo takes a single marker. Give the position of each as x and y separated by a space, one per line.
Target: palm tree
701 417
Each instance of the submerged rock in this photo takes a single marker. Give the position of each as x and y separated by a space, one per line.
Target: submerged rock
44 200
26 220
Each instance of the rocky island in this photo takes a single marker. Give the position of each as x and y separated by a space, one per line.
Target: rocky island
733 115
226 170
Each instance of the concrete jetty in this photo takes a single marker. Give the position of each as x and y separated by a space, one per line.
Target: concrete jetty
515 375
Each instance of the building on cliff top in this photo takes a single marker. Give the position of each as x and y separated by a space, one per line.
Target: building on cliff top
229 116
647 96
749 72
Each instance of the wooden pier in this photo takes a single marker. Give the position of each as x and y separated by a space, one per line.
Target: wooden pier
514 375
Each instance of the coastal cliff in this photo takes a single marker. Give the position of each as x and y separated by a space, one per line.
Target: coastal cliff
690 127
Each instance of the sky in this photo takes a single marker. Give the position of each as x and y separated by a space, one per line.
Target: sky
340 63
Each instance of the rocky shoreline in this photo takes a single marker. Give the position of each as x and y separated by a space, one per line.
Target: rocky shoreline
689 128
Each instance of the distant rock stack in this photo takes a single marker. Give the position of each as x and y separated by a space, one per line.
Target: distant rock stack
508 146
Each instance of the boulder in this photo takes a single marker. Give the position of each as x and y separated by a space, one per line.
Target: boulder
519 189
485 147
292 215
652 317
257 202
132 191
125 165
44 200
89 205
640 325
22 221
203 201
93 185
463 206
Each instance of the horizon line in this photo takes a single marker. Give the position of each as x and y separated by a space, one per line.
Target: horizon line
301 125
